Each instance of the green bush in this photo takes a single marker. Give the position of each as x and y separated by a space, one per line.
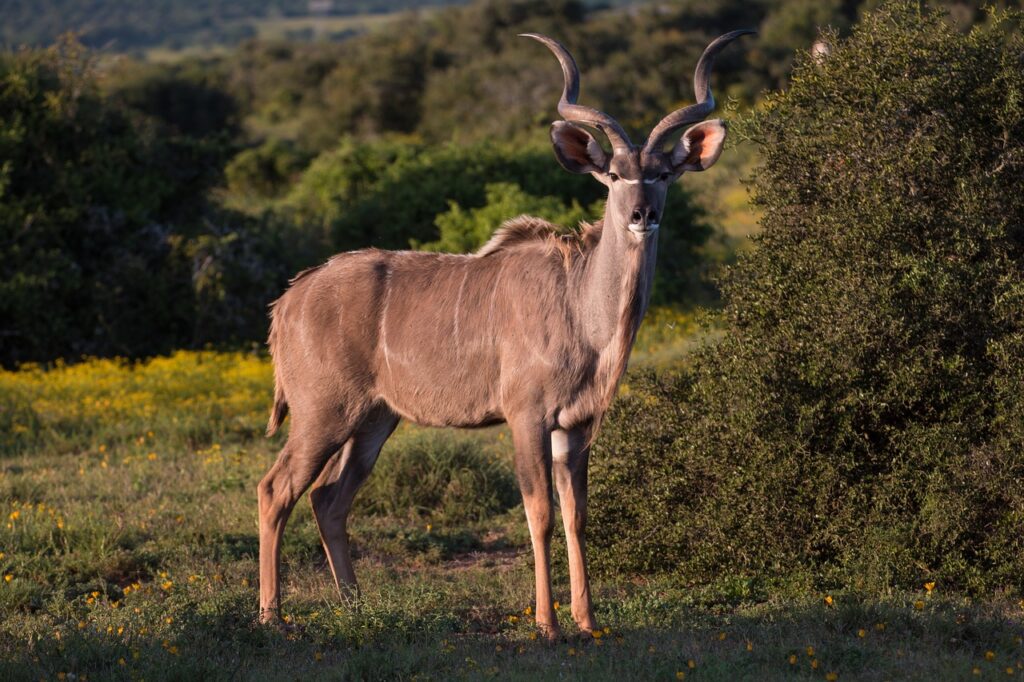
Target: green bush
860 421
462 230
108 245
438 475
392 194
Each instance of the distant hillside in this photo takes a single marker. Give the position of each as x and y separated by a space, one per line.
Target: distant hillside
130 24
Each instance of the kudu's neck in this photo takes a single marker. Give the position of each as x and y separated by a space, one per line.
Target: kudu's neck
614 287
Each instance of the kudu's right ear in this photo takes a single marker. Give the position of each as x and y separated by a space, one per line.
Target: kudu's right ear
576 149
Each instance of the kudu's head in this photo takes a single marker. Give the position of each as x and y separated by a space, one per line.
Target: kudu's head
637 177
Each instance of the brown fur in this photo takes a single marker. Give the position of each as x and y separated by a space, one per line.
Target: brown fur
525 229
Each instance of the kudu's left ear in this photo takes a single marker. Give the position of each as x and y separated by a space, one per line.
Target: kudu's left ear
576 149
699 147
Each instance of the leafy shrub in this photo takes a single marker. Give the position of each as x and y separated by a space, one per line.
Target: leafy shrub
264 171
438 475
390 194
861 418
462 230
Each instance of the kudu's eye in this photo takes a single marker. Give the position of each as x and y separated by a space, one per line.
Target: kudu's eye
613 176
666 176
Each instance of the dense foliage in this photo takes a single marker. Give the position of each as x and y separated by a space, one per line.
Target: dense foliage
148 208
860 421
464 75
85 195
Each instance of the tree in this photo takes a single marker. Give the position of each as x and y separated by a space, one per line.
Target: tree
860 420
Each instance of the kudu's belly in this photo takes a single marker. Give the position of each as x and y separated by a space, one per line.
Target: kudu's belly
434 383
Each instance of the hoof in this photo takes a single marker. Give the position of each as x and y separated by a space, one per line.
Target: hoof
551 634
270 618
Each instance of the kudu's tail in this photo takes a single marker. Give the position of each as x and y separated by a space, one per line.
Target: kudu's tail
280 409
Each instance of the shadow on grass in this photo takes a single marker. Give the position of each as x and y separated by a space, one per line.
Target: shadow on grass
654 632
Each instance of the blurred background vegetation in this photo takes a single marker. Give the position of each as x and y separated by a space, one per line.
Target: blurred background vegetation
155 198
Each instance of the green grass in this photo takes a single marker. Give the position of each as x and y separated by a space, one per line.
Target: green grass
128 530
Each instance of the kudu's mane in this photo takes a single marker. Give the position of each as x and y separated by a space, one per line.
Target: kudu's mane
525 231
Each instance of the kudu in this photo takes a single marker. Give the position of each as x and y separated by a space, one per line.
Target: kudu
535 329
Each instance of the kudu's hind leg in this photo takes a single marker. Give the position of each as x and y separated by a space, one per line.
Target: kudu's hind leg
569 457
334 491
310 444
533 469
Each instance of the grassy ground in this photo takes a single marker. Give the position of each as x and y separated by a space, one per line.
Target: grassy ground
128 551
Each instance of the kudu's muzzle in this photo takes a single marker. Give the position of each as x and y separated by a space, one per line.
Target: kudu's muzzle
643 221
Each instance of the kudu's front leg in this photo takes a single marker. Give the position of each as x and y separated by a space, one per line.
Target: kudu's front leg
533 469
570 455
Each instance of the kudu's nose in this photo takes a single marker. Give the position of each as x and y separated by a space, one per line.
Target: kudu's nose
642 217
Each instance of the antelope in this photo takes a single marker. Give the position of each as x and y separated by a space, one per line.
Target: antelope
533 330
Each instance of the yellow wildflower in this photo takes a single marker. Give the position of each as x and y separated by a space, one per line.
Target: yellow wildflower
680 675
929 587
557 605
810 651
14 515
691 664
8 578
989 655
919 605
831 677
651 649
792 659
750 645
862 633
721 636
814 664
317 656
828 599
